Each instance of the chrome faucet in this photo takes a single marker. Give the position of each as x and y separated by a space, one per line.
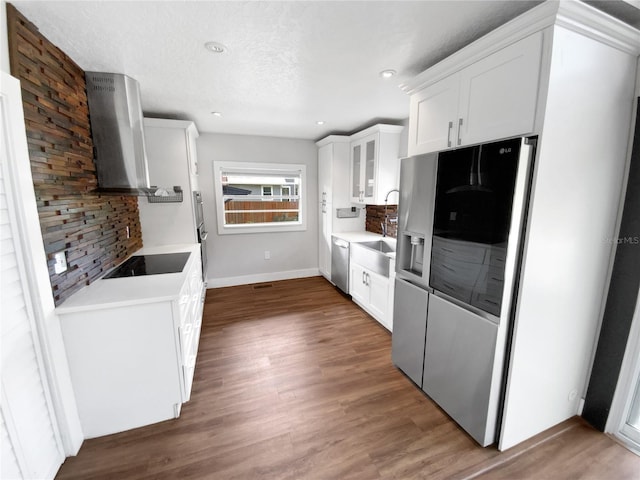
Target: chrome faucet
386 198
386 215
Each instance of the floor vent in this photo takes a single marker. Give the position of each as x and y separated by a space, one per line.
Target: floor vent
262 285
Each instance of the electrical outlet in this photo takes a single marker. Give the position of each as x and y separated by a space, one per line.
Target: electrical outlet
267 255
60 262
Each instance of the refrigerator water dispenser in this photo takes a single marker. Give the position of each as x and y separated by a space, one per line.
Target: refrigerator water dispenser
412 258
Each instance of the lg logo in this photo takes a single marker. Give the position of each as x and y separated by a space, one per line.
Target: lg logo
505 150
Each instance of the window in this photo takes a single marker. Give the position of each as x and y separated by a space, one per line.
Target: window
259 197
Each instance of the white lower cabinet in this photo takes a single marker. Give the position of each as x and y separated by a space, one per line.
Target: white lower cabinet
373 292
132 364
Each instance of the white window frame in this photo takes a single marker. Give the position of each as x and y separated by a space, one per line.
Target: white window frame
257 168
270 194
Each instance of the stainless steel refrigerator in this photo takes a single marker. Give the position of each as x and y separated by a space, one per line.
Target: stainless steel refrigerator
460 222
415 220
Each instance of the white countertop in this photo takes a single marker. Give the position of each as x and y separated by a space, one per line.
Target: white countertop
114 292
362 237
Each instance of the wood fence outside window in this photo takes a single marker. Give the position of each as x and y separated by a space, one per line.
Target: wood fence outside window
238 212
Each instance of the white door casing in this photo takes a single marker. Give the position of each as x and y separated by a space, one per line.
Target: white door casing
32 445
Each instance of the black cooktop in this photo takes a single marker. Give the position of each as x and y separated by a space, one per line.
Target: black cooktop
151 265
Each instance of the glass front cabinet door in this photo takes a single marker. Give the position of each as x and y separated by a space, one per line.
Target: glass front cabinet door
363 169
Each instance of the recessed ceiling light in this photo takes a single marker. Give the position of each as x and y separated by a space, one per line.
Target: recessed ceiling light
215 47
216 114
319 122
387 73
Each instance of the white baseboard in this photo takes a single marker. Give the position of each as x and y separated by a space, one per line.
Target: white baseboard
261 278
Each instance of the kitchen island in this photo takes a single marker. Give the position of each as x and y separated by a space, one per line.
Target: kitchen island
132 343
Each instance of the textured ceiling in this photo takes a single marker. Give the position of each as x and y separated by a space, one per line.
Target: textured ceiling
288 63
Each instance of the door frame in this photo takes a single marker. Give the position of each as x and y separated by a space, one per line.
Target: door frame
628 382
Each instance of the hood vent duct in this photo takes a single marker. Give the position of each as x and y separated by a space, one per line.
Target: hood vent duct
115 111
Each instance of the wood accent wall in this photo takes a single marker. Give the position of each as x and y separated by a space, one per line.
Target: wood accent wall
375 217
90 228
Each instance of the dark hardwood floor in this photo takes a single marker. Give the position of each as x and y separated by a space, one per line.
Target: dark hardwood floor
294 381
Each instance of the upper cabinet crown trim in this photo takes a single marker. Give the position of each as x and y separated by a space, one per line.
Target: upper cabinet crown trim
573 15
170 123
333 139
599 26
383 128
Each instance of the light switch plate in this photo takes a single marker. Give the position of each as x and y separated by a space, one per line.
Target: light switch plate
60 262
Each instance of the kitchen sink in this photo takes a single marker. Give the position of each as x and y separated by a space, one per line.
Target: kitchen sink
379 245
374 255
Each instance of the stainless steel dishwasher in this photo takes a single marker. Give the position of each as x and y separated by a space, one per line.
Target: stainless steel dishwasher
340 263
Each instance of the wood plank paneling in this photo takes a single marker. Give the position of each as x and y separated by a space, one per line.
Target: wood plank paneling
294 381
90 228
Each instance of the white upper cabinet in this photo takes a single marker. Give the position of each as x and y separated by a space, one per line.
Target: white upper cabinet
374 163
499 94
493 98
432 116
363 163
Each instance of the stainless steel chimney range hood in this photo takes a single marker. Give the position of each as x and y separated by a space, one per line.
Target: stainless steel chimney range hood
115 112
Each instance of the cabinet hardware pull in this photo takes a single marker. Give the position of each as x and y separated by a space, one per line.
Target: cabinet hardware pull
364 278
459 125
449 134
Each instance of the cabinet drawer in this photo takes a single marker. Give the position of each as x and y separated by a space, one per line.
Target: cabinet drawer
184 302
186 333
188 370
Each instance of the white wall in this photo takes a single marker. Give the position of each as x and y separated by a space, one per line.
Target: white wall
403 151
4 41
239 258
